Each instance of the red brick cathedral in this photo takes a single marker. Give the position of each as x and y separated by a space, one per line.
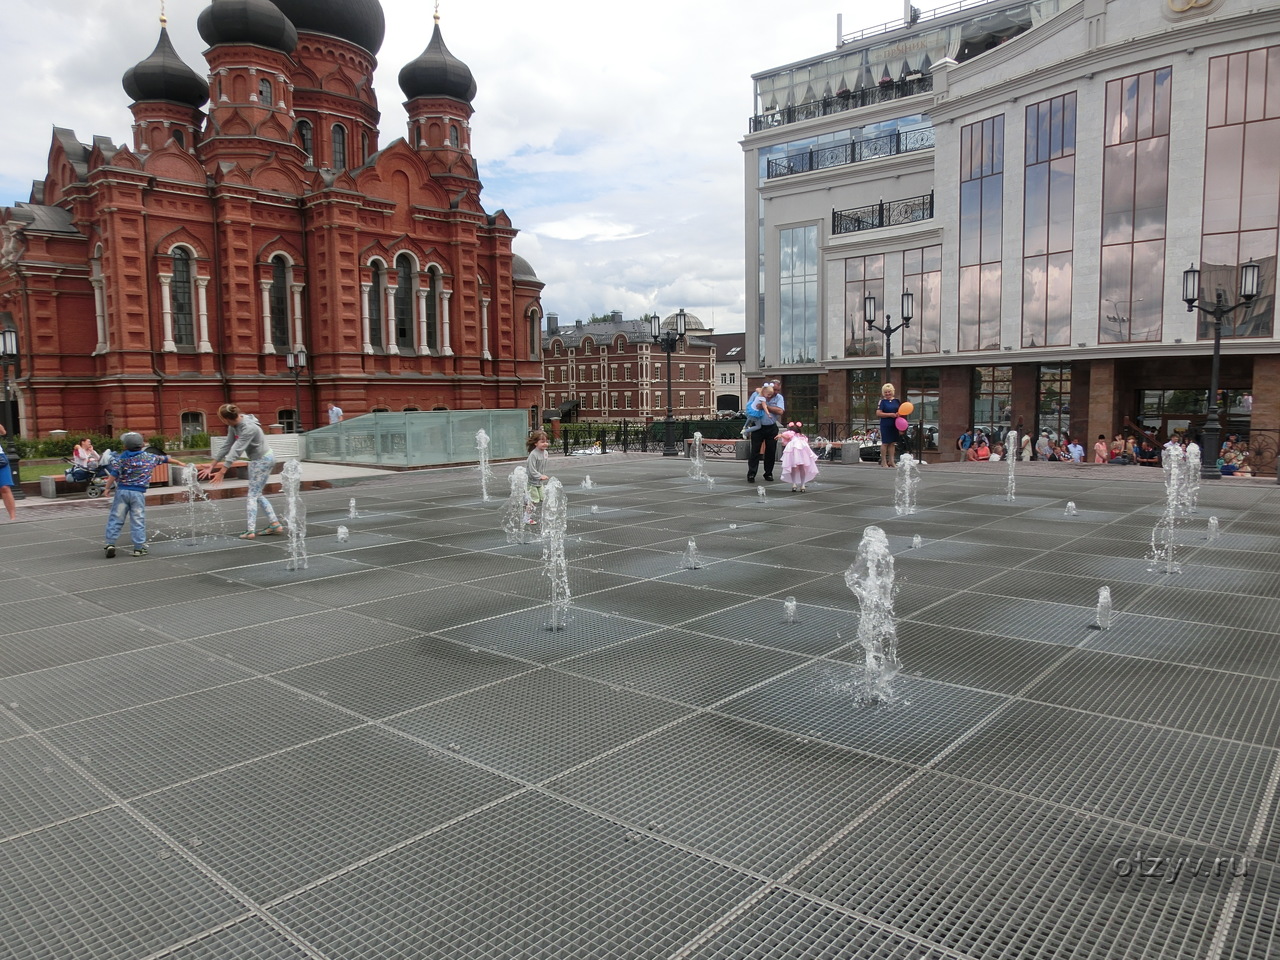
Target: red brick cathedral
255 222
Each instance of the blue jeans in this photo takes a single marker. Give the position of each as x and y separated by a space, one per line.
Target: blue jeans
131 504
259 474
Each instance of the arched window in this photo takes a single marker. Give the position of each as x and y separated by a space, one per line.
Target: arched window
364 147
433 315
264 91
183 299
453 134
535 335
280 302
377 300
339 147
179 138
305 139
192 423
406 291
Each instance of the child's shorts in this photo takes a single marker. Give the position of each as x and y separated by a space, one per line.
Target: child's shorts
535 493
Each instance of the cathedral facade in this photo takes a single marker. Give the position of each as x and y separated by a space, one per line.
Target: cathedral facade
255 244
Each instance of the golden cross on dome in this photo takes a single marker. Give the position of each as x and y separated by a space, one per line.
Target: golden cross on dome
163 19
437 13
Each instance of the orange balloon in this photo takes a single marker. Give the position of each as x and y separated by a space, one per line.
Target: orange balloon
906 408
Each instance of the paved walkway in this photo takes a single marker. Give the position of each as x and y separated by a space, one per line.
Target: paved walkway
217 753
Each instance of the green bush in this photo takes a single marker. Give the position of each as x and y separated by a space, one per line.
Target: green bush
196 441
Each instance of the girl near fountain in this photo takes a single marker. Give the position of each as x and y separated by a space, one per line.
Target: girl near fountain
888 410
246 441
537 463
799 462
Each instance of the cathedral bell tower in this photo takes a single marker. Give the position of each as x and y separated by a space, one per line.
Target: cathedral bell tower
438 89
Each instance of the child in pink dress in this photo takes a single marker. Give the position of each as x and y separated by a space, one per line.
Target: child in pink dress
799 463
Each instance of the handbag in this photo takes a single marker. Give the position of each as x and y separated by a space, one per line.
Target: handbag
4 460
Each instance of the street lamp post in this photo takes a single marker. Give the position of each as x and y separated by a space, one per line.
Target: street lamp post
869 305
9 358
297 362
1250 285
1120 319
668 340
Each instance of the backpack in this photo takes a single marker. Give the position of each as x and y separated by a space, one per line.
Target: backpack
964 441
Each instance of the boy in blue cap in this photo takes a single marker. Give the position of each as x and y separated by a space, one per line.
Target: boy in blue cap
130 472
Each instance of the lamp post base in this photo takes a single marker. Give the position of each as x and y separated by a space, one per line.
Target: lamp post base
1209 454
669 447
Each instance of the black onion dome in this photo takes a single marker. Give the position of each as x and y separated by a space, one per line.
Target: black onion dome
247 21
521 269
437 73
163 76
358 21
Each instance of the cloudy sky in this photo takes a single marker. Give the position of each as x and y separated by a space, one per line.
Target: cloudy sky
608 132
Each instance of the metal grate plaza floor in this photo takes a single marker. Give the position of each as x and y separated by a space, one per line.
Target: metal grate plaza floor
205 755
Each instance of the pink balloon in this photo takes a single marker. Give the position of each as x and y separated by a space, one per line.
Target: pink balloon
901 423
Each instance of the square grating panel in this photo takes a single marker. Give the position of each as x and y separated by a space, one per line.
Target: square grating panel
683 666
77 691
1009 878
528 878
346 797
273 569
47 647
236 609
537 725
732 574
968 658
386 680
666 603
306 639
23 615
755 798
249 938
358 587
102 888
161 744
1255 932
530 635
441 608
1252 652
784 925
39 788
827 701
1185 785
1023 619
814 630
1218 704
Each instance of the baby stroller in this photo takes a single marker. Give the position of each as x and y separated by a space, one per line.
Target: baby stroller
95 478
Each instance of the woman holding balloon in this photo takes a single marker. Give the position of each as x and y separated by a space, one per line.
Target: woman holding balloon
893 423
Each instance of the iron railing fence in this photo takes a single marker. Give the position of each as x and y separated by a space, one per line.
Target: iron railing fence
886 213
844 100
822 158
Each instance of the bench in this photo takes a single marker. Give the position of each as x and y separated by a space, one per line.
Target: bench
54 486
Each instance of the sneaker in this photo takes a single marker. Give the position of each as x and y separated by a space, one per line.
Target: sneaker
140 551
110 550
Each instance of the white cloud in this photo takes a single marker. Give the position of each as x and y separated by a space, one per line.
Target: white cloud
609 133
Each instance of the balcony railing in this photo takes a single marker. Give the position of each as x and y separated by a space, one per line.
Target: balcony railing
883 214
839 102
837 156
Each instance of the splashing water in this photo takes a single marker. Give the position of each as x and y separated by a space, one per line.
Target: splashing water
343 534
692 560
1071 510
761 495
906 479
1160 558
711 483
697 458
789 610
1193 477
595 508
870 577
917 542
351 509
1104 608
555 521
482 454
295 516
201 515
1212 531
517 510
1011 456
588 483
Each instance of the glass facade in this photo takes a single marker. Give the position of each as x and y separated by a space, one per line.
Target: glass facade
1241 186
992 400
863 277
1048 221
981 233
801 394
1053 400
1135 189
922 386
922 277
864 398
798 306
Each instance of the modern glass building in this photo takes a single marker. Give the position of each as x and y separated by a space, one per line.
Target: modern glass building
1037 175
